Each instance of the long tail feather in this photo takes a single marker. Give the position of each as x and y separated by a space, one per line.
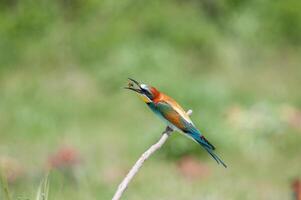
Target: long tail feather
215 157
208 147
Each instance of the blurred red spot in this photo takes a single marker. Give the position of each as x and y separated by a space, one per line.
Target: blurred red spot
65 157
296 186
113 174
292 116
11 168
192 168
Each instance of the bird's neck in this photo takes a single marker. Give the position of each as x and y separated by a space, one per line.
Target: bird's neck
158 97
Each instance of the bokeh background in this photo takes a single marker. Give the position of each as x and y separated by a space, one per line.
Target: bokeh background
236 64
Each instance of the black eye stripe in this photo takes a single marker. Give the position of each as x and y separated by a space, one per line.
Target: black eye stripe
147 93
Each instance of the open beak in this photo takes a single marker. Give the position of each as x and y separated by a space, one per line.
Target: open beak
134 85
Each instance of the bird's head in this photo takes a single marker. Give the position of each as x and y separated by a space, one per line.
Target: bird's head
146 92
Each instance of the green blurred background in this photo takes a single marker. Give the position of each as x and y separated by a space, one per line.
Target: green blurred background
236 64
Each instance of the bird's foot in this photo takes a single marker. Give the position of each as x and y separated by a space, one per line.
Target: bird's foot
168 130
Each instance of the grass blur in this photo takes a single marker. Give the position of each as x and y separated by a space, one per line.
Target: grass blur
4 187
236 64
43 190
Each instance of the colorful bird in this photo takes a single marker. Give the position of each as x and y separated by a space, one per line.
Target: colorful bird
173 114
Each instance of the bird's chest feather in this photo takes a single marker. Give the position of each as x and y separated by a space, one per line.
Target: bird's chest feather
154 108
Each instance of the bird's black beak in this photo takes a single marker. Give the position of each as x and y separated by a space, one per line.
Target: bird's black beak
134 85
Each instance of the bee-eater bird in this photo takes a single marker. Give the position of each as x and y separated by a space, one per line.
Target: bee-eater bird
173 114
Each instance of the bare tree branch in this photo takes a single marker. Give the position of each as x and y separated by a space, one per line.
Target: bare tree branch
124 184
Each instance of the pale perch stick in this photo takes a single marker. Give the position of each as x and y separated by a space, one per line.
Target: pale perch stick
124 184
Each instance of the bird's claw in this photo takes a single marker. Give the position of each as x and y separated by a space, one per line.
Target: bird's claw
168 130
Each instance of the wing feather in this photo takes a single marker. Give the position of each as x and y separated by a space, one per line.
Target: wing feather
176 117
176 107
